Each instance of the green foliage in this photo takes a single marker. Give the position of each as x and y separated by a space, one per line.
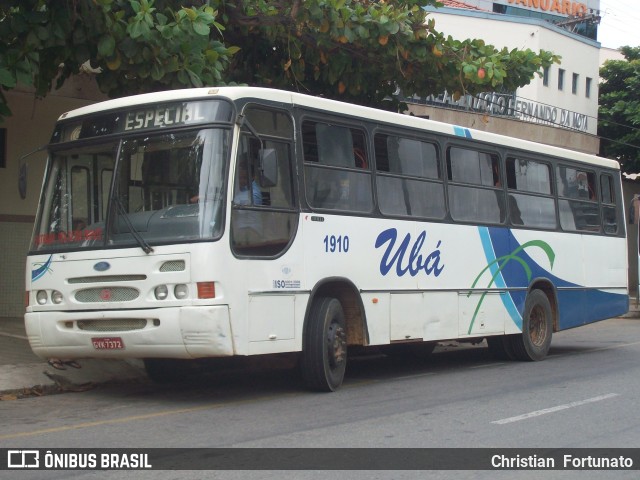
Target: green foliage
354 50
140 45
362 51
619 110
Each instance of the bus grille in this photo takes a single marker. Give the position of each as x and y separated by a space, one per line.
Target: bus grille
173 266
112 324
101 295
108 278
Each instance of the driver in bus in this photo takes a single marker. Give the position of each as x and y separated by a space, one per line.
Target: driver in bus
243 188
247 224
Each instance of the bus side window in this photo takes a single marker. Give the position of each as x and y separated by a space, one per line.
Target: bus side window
530 195
607 192
263 217
407 169
578 201
475 187
335 146
337 174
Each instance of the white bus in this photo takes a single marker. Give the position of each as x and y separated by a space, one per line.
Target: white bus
242 221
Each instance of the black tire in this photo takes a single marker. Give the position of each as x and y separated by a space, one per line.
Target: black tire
537 329
166 370
324 353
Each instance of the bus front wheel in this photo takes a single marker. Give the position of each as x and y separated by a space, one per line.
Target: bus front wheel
537 328
324 354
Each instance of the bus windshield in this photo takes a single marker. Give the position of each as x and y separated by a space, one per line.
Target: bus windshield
155 189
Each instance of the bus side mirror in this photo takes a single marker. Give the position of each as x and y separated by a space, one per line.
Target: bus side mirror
22 171
268 167
22 181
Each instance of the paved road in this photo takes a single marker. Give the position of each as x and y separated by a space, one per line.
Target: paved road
584 395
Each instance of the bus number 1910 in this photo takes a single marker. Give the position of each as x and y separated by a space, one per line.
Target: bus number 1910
333 244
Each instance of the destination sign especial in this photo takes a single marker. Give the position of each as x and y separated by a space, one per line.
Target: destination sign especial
164 116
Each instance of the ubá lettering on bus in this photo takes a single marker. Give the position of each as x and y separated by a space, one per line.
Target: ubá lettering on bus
408 260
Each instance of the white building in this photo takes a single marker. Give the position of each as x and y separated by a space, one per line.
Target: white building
563 105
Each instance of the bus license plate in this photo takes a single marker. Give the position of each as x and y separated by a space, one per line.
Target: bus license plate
108 343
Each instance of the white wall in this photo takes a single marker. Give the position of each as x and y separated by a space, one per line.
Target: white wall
29 127
579 55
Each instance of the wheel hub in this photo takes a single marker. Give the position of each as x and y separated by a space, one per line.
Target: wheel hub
537 326
336 345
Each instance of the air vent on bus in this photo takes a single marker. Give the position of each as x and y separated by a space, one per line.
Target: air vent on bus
173 266
112 324
101 295
108 278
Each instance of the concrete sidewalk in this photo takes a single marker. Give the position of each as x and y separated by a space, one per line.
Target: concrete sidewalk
23 374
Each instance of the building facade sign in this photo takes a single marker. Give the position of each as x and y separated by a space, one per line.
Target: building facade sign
558 7
509 105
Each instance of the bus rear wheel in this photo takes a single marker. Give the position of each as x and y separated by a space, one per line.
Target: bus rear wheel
324 354
537 328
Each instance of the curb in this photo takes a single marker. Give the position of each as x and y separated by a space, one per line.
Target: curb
20 381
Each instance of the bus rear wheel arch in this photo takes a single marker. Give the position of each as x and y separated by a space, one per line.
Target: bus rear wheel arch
538 324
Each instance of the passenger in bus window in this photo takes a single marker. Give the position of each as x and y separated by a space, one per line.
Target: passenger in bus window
247 224
241 196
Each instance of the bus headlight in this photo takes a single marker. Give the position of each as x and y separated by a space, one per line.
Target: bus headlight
42 297
161 292
56 297
181 291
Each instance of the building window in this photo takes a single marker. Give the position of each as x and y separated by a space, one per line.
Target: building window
545 77
560 79
3 147
587 88
574 83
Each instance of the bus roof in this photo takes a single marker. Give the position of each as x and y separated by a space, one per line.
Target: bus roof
319 103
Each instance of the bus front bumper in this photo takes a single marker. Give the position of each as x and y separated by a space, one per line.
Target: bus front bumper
176 332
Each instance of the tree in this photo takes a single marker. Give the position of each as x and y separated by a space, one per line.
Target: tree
619 110
354 50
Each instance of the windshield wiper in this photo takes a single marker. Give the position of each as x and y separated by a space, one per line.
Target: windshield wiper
141 241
